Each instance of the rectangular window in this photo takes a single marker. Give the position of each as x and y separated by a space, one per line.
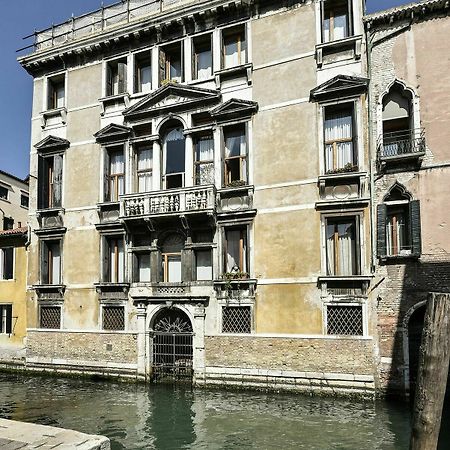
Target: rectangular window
203 265
235 156
115 259
50 317
339 139
116 77
336 20
6 263
203 62
171 267
204 160
4 192
51 262
24 201
345 320
8 223
171 63
115 174
142 261
50 176
145 168
113 318
397 230
234 47
143 72
56 92
236 250
236 319
341 246
5 319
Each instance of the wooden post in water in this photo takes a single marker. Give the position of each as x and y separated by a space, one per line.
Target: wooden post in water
432 374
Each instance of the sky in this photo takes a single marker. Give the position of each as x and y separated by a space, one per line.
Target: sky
18 19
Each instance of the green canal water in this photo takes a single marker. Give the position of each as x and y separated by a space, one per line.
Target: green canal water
177 417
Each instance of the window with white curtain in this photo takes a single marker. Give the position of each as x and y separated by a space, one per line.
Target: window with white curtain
236 249
143 267
339 138
116 175
336 20
203 265
116 259
341 246
145 168
204 160
234 48
235 155
51 262
202 57
171 258
143 72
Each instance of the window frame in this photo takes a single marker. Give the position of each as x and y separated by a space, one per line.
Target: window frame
244 248
138 58
200 40
239 30
4 193
243 159
345 4
47 261
3 261
208 135
116 68
244 304
347 302
165 53
108 276
52 84
147 172
109 177
50 180
6 319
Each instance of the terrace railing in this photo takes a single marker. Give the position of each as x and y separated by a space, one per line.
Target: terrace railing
124 11
402 143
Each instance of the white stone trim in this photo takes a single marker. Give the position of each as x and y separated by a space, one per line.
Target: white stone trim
287 208
285 60
287 184
296 101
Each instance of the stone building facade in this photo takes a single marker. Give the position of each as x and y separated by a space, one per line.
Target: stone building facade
409 116
13 201
200 198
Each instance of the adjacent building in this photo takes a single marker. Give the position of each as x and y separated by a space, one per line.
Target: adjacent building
409 117
13 201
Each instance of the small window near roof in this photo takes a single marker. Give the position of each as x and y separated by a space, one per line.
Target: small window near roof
202 57
336 23
142 72
56 92
24 201
234 47
3 193
116 77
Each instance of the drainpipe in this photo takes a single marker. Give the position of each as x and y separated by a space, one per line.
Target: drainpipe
28 242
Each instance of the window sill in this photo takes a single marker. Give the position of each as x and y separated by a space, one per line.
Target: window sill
343 175
398 258
234 72
119 100
340 42
52 114
345 278
42 289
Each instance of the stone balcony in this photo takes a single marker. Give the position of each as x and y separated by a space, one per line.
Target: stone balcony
172 202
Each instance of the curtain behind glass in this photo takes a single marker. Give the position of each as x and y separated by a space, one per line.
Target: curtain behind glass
338 126
145 165
341 255
235 143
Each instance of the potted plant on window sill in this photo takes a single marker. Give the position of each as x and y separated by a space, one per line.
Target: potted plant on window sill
349 167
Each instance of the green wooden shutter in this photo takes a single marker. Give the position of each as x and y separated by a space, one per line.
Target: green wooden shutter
415 228
8 327
122 75
381 230
57 180
106 162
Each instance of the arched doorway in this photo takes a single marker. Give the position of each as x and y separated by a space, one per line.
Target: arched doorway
172 346
415 329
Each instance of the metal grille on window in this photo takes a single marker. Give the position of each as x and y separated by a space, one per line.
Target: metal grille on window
113 318
236 319
344 320
51 317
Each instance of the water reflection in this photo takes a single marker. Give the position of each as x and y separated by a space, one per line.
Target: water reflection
161 417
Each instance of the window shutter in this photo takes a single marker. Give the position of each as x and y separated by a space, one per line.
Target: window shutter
381 230
105 259
415 229
109 80
358 236
44 263
42 183
322 19
122 74
222 51
106 196
182 60
162 66
350 18
57 180
50 95
355 134
8 263
8 319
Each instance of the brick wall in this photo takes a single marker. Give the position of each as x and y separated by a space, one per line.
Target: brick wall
350 356
74 347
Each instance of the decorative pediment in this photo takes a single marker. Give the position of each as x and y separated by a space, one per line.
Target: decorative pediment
172 97
340 86
52 143
112 133
234 108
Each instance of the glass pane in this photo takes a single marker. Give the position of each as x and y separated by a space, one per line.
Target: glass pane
174 268
340 25
145 159
326 30
231 51
145 182
145 77
60 92
235 143
205 149
175 151
56 263
144 267
338 125
204 64
203 265
175 67
233 238
116 162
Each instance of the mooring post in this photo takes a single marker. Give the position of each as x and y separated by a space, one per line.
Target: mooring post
432 373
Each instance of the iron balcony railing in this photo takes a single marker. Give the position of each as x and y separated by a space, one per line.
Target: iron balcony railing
402 143
93 22
169 202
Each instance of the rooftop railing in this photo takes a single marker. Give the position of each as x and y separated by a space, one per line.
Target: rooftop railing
96 21
402 143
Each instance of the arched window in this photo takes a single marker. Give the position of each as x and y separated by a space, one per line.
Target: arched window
174 158
171 258
398 226
400 136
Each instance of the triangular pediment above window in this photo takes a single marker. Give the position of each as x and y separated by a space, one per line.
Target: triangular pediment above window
172 98
52 143
112 133
234 108
340 86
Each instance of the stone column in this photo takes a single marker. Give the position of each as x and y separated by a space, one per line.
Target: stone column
157 166
199 342
141 340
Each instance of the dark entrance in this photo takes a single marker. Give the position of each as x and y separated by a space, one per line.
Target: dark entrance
172 346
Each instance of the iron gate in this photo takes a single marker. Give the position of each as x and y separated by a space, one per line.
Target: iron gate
172 346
